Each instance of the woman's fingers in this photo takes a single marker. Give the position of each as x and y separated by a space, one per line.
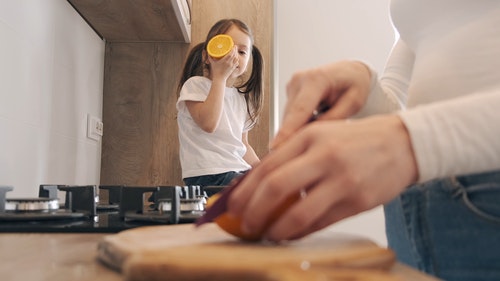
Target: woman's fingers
336 213
345 168
343 87
308 213
268 184
305 92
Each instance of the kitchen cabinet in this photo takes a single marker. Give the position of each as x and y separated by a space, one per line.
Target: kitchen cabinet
138 21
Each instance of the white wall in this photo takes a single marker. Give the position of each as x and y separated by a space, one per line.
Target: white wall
315 32
51 71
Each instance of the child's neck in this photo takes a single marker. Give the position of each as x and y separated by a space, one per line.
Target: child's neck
229 82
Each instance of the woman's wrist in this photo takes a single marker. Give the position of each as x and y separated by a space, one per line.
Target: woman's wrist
398 144
406 149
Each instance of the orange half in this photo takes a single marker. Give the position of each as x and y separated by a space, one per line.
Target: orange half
220 45
232 225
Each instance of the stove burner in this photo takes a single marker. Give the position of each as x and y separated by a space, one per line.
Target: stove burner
31 204
80 204
135 207
169 204
186 205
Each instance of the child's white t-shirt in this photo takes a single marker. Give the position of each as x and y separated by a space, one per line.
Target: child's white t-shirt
203 153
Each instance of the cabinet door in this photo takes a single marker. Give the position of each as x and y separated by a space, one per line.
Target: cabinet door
140 144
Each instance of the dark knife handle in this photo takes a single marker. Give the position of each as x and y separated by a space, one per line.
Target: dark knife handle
220 205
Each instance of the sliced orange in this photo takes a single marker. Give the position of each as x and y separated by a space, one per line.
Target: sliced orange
220 45
232 225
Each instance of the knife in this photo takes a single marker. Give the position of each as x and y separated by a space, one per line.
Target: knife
220 205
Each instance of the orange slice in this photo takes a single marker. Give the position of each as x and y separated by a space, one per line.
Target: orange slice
232 225
220 45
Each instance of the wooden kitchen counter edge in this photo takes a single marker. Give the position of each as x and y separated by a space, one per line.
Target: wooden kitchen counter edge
73 256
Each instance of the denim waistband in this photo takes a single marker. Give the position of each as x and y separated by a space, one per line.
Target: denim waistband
466 186
482 178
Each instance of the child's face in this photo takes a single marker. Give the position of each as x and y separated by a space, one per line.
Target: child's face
244 46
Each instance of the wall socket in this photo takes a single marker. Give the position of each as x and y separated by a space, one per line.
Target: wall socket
95 127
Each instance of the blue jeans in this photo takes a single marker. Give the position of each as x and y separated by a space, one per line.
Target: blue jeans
449 228
213 180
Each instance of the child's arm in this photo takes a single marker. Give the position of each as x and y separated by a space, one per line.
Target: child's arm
207 114
250 156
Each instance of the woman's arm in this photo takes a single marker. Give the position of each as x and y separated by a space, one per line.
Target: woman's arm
456 136
390 92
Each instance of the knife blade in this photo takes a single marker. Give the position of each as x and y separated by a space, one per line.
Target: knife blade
220 205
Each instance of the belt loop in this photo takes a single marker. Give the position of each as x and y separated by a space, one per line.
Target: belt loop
462 192
459 189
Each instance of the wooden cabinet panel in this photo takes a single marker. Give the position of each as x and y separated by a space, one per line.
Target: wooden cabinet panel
138 20
140 145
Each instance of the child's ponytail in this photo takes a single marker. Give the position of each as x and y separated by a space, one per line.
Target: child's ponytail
194 64
253 88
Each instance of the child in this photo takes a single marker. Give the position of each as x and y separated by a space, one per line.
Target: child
218 104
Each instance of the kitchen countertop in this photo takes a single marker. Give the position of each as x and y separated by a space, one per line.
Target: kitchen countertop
58 256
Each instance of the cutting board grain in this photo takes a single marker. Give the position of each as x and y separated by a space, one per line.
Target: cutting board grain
183 252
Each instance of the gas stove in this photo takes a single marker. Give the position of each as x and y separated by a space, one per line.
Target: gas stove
85 210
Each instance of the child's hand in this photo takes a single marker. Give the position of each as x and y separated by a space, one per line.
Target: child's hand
223 67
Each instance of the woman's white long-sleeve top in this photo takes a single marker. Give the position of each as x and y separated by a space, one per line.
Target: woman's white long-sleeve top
443 76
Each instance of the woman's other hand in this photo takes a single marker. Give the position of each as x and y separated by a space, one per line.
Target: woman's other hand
343 87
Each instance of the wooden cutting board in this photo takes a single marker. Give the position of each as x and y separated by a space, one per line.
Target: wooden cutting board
183 252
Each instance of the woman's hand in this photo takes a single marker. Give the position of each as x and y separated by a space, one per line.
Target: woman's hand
343 87
344 167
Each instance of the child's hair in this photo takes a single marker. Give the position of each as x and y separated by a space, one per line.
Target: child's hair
252 89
